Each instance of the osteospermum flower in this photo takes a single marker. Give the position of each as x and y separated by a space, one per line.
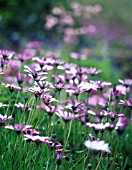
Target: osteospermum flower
18 127
48 108
12 87
78 56
97 146
38 139
66 116
59 155
93 138
20 78
99 113
59 86
48 99
121 125
34 74
97 127
93 71
126 103
126 82
31 132
88 87
75 106
37 91
95 99
4 119
101 84
114 115
6 54
3 105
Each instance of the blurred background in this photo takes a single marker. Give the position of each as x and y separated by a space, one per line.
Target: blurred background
100 30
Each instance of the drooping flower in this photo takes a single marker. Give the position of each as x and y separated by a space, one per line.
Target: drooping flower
4 119
59 155
97 146
122 123
20 78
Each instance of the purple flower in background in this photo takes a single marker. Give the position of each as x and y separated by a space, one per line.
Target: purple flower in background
4 119
93 71
95 99
34 44
78 56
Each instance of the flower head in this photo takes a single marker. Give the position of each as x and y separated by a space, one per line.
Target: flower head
18 127
4 119
6 54
97 146
126 103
